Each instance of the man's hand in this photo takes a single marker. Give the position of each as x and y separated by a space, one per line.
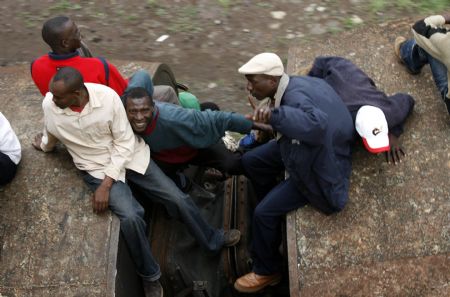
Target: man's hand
262 127
37 141
100 198
396 153
251 100
262 115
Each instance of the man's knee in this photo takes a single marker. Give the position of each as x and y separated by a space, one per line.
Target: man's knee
261 213
249 160
165 94
142 79
132 220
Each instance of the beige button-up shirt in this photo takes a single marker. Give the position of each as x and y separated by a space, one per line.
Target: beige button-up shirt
99 139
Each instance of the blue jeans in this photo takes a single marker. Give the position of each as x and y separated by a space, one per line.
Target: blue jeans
141 79
415 58
262 164
160 189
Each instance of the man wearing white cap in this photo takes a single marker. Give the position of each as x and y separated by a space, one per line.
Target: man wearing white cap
378 118
314 135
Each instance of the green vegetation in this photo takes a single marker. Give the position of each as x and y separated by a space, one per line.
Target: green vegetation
351 22
225 3
186 20
422 6
63 5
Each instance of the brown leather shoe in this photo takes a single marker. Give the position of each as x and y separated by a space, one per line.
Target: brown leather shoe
231 237
252 282
397 44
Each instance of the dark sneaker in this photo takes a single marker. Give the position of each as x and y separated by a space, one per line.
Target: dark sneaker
153 289
231 237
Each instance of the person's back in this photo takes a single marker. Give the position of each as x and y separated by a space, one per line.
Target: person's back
63 37
357 89
94 70
325 157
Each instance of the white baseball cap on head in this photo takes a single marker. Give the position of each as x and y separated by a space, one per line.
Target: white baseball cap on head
372 126
264 63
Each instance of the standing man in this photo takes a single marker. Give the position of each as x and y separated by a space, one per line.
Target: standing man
313 144
179 136
10 151
430 45
89 119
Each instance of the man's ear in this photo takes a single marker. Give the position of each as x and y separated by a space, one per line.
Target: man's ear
274 81
63 43
77 93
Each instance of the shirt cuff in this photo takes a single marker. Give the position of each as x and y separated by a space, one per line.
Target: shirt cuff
113 172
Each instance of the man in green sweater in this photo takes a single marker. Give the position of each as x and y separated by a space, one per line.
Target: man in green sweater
430 45
179 136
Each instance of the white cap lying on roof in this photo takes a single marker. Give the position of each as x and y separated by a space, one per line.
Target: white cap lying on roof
372 126
264 63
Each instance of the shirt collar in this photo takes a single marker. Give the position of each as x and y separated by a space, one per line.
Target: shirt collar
282 85
92 103
152 125
55 56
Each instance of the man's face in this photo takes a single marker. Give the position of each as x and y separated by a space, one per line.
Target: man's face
71 36
139 113
62 96
260 86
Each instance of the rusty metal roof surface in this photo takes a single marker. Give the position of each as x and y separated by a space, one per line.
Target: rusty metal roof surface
393 237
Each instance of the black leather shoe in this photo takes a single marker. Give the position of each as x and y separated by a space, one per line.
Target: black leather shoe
447 103
231 237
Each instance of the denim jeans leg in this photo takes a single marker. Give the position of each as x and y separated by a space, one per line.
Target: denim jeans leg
132 225
161 189
141 79
439 72
413 56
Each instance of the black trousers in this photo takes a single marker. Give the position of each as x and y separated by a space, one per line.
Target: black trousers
216 156
7 169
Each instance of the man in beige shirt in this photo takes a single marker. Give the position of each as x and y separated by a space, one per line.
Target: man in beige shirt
90 120
430 45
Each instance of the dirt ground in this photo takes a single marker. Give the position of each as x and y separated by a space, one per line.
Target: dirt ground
207 40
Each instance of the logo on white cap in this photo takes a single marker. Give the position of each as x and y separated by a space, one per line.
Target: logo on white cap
372 126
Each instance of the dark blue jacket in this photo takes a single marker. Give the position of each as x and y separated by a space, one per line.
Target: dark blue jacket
316 144
357 89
